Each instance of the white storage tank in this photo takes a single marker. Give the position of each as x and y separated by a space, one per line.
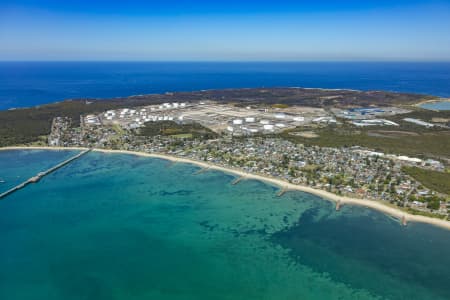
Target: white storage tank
299 119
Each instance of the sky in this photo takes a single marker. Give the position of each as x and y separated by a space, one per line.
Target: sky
231 30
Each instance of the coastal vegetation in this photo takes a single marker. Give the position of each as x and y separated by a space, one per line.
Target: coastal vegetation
426 143
434 180
170 128
280 105
24 126
424 213
442 117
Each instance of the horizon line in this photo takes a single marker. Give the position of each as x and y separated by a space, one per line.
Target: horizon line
227 61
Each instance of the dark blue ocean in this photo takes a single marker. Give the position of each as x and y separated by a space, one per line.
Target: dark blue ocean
25 84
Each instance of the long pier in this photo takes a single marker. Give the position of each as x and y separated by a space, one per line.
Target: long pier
40 175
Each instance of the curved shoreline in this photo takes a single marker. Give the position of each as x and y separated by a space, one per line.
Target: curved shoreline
378 206
419 104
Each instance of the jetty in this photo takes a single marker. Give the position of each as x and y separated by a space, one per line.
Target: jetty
338 205
282 191
171 164
42 174
404 221
237 180
202 170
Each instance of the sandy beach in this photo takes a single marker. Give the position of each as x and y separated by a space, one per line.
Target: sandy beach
394 212
419 104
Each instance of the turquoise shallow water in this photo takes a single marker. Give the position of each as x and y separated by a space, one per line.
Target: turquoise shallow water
18 166
442 105
112 226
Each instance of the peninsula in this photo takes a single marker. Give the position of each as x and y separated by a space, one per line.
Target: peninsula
374 149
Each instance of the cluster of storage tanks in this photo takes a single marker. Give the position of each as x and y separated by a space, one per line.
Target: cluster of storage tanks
250 124
139 117
92 120
173 105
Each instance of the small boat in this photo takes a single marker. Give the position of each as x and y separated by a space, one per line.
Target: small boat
2 181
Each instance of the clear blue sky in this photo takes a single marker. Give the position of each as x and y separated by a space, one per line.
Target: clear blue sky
225 30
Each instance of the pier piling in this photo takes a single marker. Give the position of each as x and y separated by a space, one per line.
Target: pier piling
338 205
404 221
202 170
171 164
237 180
282 191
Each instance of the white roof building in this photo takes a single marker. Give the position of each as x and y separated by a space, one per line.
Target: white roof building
410 159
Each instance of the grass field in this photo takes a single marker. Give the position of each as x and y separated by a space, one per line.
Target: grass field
183 136
170 128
